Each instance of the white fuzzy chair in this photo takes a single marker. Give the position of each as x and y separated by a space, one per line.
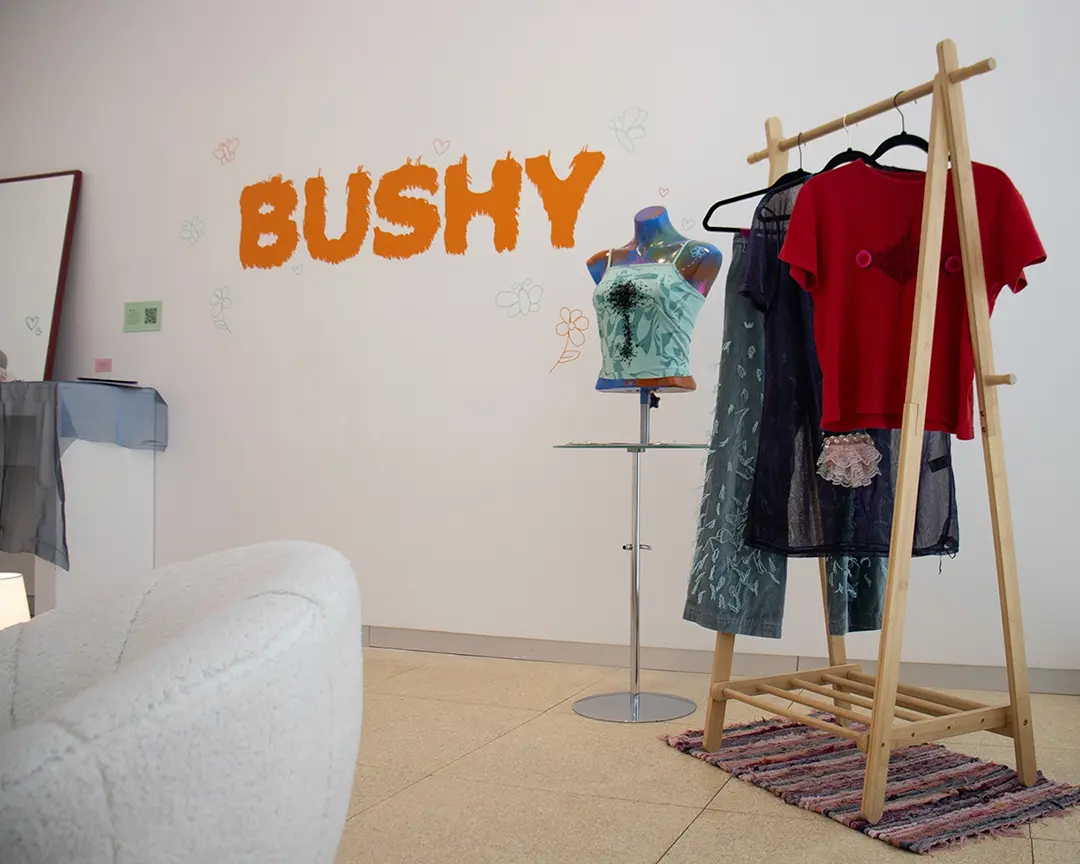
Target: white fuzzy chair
207 713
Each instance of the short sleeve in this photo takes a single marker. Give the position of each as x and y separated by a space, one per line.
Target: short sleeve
759 279
1016 243
800 249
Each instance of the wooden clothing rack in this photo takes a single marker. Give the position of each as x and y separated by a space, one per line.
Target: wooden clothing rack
901 715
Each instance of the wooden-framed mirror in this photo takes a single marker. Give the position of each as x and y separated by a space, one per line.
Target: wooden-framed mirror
37 222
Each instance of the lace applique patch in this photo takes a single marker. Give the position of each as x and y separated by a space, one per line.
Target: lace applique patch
849 460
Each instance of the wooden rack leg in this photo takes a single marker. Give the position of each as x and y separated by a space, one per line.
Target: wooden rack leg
837 644
990 419
907 488
723 653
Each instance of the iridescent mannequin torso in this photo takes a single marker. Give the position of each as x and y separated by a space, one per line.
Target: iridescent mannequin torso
665 278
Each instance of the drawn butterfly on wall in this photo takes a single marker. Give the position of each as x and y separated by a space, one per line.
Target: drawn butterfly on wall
225 152
192 229
219 302
520 299
629 127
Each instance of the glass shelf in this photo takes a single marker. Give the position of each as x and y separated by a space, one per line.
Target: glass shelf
607 445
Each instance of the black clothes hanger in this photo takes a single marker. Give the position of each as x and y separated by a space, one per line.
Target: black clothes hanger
792 178
849 155
903 139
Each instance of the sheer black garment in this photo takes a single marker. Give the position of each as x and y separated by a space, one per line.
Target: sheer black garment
792 510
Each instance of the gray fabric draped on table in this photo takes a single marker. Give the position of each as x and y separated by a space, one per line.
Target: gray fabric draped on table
38 419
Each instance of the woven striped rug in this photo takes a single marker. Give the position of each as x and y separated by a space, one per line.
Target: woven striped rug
935 797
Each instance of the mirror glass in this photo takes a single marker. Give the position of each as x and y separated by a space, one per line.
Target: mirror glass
37 219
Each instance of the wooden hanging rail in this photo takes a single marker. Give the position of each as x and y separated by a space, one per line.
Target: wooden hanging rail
879 107
901 715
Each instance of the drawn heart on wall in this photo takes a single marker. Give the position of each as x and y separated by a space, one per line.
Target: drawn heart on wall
687 224
33 324
663 190
298 269
440 146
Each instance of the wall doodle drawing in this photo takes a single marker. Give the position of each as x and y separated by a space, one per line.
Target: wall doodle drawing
33 324
225 152
629 127
219 302
440 146
267 208
520 299
687 224
572 326
192 230
663 190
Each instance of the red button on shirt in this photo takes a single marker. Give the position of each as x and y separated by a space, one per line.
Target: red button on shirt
853 243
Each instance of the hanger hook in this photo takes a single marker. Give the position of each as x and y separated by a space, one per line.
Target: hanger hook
798 143
903 120
847 132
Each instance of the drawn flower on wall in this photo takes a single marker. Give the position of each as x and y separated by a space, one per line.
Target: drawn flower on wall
192 229
572 326
219 302
520 299
225 152
628 127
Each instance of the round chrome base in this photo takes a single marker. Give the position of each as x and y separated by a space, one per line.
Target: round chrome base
625 708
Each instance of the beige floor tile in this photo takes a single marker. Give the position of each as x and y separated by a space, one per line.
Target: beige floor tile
1052 852
1056 718
565 752
421 735
375 783
443 819
735 838
490 681
1057 721
383 663
411 659
1066 827
739 797
1057 764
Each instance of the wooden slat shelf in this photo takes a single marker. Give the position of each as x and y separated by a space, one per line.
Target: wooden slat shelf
942 714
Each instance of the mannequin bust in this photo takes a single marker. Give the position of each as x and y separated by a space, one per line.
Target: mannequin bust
647 298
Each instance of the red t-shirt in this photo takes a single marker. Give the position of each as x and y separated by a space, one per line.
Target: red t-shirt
853 243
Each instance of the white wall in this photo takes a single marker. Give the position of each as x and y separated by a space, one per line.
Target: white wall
390 408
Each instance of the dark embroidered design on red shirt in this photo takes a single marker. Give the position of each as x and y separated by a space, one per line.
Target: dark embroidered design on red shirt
900 262
624 298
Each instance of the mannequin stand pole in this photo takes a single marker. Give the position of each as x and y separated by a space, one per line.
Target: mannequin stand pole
634 706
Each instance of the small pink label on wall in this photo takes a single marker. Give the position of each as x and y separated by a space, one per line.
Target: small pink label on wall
103 364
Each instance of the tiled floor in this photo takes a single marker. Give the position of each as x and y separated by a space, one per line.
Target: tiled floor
476 760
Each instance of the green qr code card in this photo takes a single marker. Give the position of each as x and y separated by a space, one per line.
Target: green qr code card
142 317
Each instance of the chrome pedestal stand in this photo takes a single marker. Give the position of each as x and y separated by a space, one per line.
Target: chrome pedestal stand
633 706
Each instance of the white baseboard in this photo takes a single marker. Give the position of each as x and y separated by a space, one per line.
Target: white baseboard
941 675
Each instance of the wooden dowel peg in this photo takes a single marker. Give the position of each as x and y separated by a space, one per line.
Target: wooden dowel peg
998 380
